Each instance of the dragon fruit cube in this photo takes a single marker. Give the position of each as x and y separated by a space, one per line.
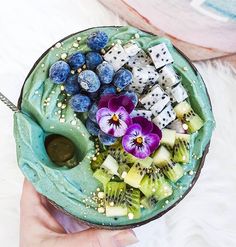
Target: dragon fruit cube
165 117
160 104
155 92
136 88
141 59
160 55
168 77
131 49
141 113
145 76
116 56
179 93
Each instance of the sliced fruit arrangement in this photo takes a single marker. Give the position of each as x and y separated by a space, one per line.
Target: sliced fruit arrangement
135 108
186 114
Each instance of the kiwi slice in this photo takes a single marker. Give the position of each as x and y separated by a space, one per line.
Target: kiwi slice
173 171
122 157
186 114
148 202
115 201
155 184
137 172
123 170
98 160
133 203
181 148
111 165
102 176
168 138
162 156
164 190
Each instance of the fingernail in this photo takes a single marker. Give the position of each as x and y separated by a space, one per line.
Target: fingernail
125 238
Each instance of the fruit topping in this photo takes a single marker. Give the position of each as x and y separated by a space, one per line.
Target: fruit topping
71 85
181 148
116 56
166 116
59 72
89 81
97 40
93 59
105 72
186 114
122 79
80 103
160 55
76 60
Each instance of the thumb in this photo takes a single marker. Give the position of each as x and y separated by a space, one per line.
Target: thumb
99 238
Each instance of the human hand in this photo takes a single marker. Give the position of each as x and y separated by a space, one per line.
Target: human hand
39 229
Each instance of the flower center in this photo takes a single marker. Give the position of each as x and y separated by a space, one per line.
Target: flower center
139 140
115 118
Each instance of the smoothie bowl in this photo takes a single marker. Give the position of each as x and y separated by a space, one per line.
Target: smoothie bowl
114 126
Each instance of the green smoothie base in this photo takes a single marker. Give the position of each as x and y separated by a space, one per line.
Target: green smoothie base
41 114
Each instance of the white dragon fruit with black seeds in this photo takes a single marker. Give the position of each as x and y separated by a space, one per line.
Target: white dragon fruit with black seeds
116 56
160 104
168 91
168 77
144 76
136 88
141 113
179 93
165 117
141 59
131 49
160 55
152 96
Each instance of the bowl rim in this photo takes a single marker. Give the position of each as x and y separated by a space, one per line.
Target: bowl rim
197 174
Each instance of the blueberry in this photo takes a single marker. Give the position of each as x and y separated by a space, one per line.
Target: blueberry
122 78
105 90
132 95
92 112
59 72
106 139
80 103
76 60
105 72
92 127
93 59
89 81
97 40
71 85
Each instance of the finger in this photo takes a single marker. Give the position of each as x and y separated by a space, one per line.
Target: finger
99 238
34 212
29 195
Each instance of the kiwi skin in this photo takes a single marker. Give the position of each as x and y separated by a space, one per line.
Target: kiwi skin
158 215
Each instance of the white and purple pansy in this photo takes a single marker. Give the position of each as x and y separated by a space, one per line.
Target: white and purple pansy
141 138
113 116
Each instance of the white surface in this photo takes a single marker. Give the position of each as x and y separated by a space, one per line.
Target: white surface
206 218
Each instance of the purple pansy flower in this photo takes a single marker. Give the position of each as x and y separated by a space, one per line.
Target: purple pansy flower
113 116
141 138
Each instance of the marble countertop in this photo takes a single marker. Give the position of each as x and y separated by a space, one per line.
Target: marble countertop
206 217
